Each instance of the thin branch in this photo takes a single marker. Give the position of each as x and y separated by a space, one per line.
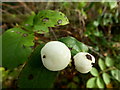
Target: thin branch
53 33
10 6
66 31
48 5
104 10
91 48
108 69
24 4
4 11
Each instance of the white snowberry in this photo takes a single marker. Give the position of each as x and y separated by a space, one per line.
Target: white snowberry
83 62
55 55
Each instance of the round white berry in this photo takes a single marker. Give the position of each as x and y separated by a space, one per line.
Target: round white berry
55 55
83 62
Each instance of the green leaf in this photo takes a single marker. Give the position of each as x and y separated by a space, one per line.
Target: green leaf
113 4
72 85
96 23
109 62
34 74
100 82
117 62
74 52
81 5
3 74
76 79
106 78
16 47
116 74
91 83
49 18
97 33
101 64
30 19
74 45
28 23
94 72
40 29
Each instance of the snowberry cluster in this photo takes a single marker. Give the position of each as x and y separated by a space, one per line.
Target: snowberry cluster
56 56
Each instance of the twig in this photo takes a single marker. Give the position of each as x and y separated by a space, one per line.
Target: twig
104 10
1 10
22 3
108 69
81 22
91 48
53 33
109 32
68 32
48 5
10 6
